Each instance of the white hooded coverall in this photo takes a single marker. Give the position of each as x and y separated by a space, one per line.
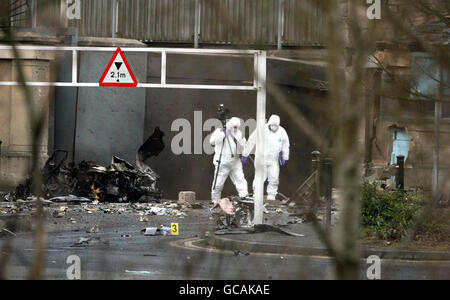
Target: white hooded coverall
275 142
230 164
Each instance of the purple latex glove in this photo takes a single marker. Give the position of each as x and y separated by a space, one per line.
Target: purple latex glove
227 131
282 162
244 159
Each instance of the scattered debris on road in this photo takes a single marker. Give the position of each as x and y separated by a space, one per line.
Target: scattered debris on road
70 199
58 214
257 228
224 204
235 212
236 217
4 231
141 272
93 229
143 219
83 241
151 231
88 181
237 252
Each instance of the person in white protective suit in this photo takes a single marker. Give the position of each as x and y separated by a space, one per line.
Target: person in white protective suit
276 153
228 146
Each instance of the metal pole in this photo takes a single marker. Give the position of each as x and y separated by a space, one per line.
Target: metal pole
328 191
114 18
315 166
33 13
260 124
197 22
280 23
63 14
75 64
163 67
400 178
437 116
1 175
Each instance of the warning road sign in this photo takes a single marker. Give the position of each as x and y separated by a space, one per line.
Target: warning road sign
118 72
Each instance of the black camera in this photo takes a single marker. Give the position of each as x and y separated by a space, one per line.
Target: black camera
222 113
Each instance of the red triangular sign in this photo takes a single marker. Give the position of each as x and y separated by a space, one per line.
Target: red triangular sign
118 72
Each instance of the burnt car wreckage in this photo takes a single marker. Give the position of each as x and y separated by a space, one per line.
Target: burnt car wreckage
119 182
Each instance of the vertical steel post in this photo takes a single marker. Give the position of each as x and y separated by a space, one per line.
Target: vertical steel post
1 159
64 21
75 77
437 116
280 24
74 66
400 177
315 166
197 23
114 19
328 190
260 124
163 67
33 13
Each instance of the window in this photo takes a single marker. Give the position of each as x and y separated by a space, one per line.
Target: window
425 79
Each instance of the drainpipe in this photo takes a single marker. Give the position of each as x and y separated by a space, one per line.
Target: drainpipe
114 19
437 116
197 23
76 61
280 24
315 167
400 177
33 9
1 159
328 175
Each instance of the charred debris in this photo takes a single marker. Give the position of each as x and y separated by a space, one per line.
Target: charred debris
118 182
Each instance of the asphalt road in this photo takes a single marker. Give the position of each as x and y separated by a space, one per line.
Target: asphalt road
119 251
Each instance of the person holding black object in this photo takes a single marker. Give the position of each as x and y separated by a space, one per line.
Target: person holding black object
228 144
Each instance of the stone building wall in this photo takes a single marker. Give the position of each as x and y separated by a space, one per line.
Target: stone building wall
15 126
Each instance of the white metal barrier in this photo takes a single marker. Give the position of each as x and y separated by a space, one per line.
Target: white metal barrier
259 85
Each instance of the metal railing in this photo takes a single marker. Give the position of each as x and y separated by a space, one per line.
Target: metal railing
164 51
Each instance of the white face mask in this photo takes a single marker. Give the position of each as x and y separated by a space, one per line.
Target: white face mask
273 128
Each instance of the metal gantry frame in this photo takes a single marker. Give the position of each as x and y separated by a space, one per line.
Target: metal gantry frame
259 85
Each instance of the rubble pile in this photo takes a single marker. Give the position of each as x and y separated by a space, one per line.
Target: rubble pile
143 210
119 182
236 212
240 216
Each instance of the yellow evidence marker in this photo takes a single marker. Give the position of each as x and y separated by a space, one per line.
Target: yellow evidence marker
174 227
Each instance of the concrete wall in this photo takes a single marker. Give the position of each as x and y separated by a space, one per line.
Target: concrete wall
110 121
417 118
115 121
15 125
190 171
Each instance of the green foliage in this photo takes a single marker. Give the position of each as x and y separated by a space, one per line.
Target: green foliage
434 226
389 214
